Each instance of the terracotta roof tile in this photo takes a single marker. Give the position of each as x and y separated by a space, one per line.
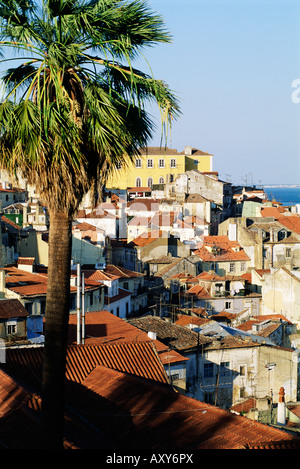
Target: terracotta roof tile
220 249
199 291
129 412
148 237
185 320
103 327
291 222
138 358
26 261
99 275
154 417
275 212
121 272
178 337
12 309
142 203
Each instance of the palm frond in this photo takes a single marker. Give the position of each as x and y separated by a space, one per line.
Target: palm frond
82 109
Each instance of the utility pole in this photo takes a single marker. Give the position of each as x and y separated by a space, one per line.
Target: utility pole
78 304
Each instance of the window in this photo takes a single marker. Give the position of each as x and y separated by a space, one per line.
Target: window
150 163
224 369
161 180
208 370
161 163
173 163
28 307
43 306
11 327
174 377
72 302
288 252
138 182
138 163
150 182
228 304
243 266
231 267
242 370
91 298
209 398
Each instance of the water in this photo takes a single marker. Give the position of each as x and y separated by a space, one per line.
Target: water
284 195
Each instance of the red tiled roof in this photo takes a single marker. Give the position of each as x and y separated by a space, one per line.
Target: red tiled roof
185 320
84 227
247 325
99 275
25 283
12 309
26 261
225 247
245 406
273 317
129 412
155 417
208 276
199 311
275 212
148 237
104 327
121 272
291 223
199 291
139 358
144 204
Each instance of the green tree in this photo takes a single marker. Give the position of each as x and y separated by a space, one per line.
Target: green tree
73 107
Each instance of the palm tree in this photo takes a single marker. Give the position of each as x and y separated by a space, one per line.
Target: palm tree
73 107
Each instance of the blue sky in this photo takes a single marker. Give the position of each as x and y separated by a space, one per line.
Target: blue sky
233 64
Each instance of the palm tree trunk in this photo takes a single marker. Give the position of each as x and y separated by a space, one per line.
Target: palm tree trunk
56 328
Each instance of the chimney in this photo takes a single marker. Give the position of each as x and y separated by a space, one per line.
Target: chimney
2 283
188 150
281 408
232 232
152 335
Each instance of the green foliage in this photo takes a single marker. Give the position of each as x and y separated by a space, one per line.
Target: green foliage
74 105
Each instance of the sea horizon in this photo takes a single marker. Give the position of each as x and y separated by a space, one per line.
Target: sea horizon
287 195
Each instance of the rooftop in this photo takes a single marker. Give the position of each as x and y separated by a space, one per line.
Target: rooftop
103 327
173 335
220 249
118 411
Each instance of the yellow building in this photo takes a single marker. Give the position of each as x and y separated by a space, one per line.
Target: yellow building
157 166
